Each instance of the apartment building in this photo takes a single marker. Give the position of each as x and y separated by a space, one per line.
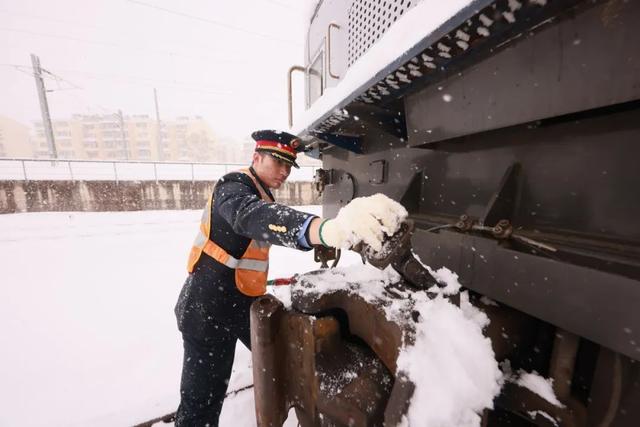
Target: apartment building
130 137
14 139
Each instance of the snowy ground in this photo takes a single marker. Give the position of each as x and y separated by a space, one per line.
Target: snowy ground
86 318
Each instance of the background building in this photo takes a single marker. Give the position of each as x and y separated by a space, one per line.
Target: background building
135 137
128 137
14 139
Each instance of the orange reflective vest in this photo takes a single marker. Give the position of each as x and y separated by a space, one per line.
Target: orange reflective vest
251 269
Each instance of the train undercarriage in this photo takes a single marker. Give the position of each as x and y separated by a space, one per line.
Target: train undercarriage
510 134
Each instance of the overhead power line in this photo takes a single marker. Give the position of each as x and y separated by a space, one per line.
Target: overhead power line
59 80
184 43
137 80
28 70
210 21
147 81
50 19
24 69
120 46
283 5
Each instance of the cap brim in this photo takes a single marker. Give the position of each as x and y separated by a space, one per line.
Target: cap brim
284 159
280 157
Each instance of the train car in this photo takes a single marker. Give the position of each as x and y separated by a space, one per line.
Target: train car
509 130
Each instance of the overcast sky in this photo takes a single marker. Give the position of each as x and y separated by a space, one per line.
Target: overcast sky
224 60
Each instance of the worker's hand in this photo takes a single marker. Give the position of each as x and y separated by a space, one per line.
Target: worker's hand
364 219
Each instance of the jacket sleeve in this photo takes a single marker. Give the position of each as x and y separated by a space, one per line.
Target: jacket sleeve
236 201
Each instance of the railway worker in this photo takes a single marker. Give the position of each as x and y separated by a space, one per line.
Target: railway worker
229 259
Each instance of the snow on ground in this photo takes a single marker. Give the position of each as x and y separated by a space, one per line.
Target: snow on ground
89 335
86 317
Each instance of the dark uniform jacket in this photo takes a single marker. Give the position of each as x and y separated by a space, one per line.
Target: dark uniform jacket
209 298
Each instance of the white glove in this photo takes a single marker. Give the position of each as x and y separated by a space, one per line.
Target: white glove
364 219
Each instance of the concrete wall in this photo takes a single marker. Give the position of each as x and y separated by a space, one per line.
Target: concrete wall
96 196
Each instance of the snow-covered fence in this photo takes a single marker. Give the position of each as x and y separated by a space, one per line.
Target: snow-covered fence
109 196
28 185
102 170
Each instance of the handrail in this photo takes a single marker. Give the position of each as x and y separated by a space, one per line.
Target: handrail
30 169
289 90
337 27
163 162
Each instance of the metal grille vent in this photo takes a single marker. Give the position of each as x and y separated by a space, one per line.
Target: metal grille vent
496 18
369 20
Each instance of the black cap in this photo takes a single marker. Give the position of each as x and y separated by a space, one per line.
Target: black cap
281 145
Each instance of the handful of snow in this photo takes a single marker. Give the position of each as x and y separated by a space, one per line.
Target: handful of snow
448 358
364 219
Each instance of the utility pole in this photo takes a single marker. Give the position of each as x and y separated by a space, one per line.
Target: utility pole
158 126
44 106
123 138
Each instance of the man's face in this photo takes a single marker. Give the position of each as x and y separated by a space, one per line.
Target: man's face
271 170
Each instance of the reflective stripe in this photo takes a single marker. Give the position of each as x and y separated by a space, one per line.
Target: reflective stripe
206 212
206 216
223 257
200 240
247 264
259 244
252 268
